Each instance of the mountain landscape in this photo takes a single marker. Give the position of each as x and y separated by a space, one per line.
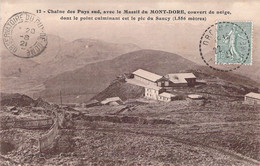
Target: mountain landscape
217 129
93 78
184 41
83 83
27 75
82 68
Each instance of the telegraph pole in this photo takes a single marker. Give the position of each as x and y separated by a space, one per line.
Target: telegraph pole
63 112
60 99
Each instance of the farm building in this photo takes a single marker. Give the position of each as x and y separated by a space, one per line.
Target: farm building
153 92
181 79
252 98
146 77
112 101
166 97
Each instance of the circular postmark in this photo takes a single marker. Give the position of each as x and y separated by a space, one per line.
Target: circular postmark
24 35
226 46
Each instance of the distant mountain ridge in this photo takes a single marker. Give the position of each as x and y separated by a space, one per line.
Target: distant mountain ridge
84 67
22 75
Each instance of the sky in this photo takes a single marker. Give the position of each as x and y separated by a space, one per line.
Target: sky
179 37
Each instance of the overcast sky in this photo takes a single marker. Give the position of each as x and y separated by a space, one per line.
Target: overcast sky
179 37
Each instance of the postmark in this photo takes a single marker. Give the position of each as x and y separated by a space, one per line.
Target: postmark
24 35
226 46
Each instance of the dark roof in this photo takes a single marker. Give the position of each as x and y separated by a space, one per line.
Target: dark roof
180 77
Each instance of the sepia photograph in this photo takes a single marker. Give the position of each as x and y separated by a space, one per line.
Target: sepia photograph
131 83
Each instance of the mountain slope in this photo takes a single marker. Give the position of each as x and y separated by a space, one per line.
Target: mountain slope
16 100
23 75
78 53
122 90
82 84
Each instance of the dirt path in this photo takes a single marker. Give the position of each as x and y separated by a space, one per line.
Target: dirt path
8 160
220 123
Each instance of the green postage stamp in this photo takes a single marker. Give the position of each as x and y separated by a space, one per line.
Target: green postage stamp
234 43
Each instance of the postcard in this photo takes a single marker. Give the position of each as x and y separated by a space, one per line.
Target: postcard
130 82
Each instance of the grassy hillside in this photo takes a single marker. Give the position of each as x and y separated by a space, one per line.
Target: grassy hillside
120 89
242 81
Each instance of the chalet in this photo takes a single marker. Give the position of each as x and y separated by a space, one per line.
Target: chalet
152 92
146 77
112 101
181 79
156 85
163 82
166 97
252 98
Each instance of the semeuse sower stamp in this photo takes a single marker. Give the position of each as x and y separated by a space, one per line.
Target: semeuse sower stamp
226 46
233 40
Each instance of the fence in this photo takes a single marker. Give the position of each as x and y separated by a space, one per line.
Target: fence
27 124
47 141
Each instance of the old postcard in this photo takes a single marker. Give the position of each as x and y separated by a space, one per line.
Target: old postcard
130 82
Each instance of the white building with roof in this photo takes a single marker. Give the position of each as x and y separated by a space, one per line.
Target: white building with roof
152 92
166 97
156 85
146 77
252 98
